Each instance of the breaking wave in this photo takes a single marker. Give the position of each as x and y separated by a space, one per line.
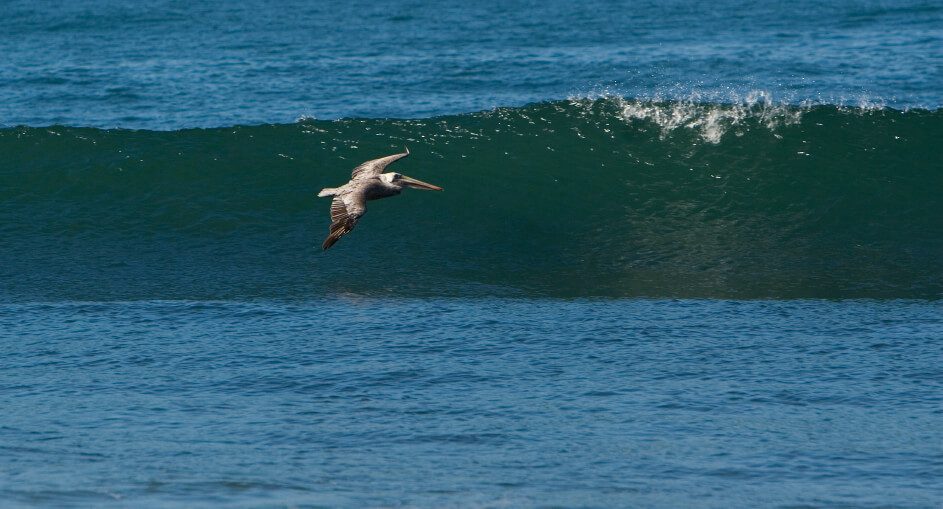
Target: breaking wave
607 197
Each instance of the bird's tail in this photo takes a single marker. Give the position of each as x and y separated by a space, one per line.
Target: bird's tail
327 191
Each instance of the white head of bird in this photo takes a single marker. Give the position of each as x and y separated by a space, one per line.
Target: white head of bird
399 180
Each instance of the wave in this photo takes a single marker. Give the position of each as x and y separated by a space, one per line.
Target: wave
607 197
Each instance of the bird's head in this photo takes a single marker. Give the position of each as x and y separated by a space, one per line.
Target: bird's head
400 180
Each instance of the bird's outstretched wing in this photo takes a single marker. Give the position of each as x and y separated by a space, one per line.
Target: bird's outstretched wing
375 167
345 212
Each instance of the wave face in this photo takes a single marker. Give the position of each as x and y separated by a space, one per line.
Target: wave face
607 197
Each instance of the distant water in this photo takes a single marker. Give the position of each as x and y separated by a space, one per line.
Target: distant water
171 64
689 254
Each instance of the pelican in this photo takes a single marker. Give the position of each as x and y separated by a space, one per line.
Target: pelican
367 182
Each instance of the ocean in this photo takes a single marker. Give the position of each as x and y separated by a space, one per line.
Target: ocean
688 255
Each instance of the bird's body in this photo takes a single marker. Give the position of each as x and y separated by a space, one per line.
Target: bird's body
367 182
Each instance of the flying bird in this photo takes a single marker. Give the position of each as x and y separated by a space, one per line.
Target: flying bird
367 182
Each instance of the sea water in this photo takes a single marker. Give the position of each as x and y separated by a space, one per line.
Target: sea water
687 255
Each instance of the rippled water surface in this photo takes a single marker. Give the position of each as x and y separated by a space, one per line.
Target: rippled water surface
689 255
352 402
171 64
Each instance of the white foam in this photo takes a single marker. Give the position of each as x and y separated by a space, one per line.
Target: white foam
710 119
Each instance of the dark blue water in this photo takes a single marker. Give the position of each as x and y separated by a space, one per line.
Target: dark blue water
717 286
351 402
170 64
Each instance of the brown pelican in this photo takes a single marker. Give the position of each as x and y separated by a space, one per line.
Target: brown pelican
367 182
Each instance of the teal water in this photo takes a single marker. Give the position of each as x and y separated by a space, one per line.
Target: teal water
568 199
688 255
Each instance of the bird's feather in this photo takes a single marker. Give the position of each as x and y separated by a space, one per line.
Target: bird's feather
345 212
375 167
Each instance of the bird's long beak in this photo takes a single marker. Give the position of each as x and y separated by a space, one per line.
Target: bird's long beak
418 184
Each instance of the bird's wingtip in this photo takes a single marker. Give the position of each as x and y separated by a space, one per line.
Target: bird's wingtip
328 242
406 148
